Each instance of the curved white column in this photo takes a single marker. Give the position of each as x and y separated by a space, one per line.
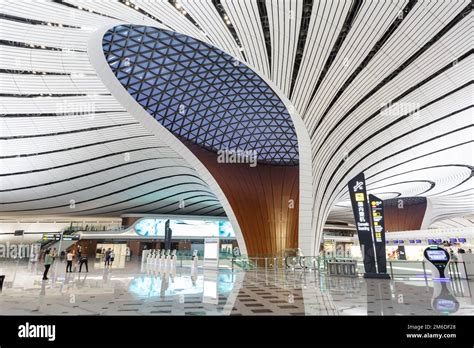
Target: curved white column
306 235
105 73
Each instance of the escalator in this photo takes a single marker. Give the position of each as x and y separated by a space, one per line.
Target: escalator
51 244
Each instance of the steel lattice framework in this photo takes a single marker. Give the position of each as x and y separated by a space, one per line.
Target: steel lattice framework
200 93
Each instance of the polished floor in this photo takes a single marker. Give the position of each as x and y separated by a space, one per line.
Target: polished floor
129 288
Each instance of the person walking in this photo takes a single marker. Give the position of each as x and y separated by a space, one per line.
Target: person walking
79 252
107 258
83 261
48 261
69 259
112 257
54 253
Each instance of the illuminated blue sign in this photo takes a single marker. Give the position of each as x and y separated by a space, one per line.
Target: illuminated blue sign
185 228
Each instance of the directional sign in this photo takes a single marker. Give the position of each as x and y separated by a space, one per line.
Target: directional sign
360 208
72 237
57 237
51 236
377 212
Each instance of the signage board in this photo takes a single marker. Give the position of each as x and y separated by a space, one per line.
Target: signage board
360 208
57 237
378 225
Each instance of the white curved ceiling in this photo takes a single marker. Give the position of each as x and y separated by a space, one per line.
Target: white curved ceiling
339 62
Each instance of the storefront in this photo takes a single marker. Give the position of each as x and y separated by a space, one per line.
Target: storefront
338 246
187 236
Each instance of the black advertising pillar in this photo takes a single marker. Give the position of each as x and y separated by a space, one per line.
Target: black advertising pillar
168 235
378 224
360 207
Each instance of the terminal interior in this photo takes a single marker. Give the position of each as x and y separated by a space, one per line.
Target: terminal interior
226 157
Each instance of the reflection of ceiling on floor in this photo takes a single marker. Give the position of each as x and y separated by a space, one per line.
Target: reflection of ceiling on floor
341 63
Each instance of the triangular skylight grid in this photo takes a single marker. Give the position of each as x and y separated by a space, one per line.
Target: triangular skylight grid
201 93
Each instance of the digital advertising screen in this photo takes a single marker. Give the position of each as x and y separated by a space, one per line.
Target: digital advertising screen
445 305
185 228
436 255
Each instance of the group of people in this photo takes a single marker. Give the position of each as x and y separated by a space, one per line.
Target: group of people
109 258
50 256
459 251
71 255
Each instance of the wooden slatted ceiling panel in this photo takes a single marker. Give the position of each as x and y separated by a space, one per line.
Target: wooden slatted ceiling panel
207 16
285 20
326 22
259 197
407 219
245 18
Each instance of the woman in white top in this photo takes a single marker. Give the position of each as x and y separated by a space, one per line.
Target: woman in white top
112 257
69 258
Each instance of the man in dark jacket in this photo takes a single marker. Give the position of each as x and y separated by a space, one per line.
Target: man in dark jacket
83 261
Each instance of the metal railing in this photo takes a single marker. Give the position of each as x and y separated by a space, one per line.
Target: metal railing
345 266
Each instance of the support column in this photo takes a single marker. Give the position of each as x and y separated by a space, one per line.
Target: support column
264 198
